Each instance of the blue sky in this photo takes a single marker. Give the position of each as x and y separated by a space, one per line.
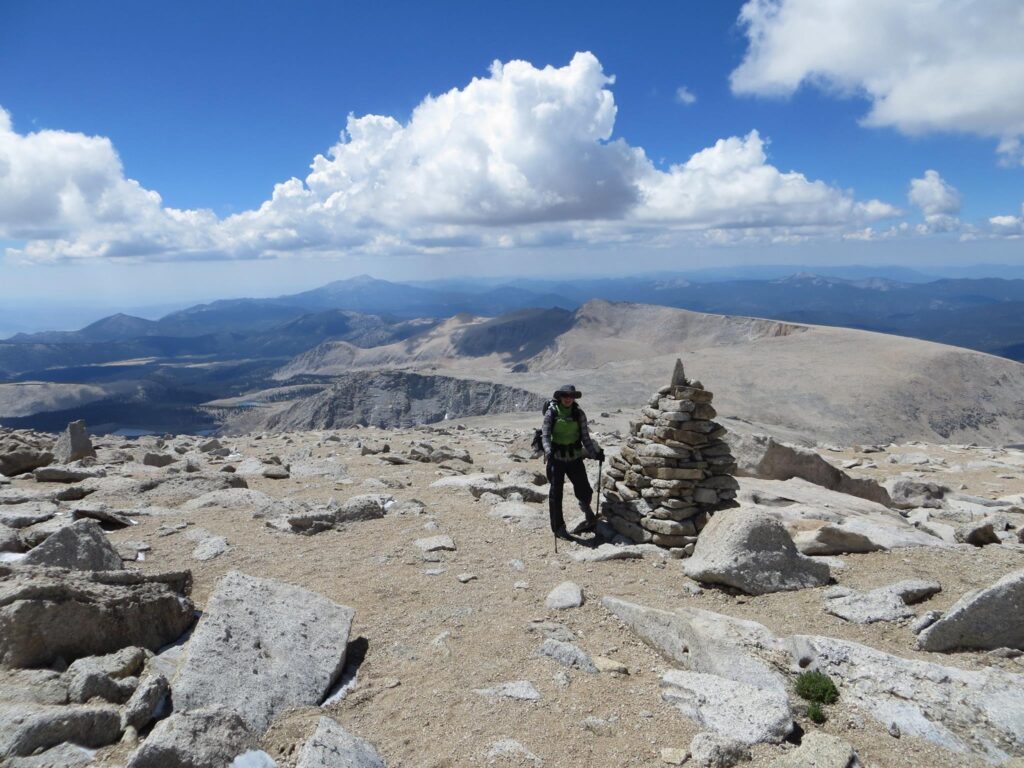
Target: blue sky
210 105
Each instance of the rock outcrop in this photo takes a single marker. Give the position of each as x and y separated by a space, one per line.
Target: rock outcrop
960 710
49 614
765 457
392 399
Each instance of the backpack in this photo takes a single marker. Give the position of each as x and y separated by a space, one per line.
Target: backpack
538 434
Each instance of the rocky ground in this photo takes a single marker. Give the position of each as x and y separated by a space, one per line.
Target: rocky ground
456 650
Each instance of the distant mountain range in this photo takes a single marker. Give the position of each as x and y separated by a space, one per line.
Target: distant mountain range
126 365
982 314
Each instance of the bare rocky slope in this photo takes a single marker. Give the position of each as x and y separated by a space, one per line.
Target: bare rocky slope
386 399
394 597
829 384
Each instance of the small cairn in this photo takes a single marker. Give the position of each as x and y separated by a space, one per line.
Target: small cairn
673 472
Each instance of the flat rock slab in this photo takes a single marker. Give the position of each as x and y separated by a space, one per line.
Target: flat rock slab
820 750
825 522
263 646
82 546
566 595
525 491
729 708
435 544
15 496
519 513
59 474
209 548
606 552
180 489
331 746
26 728
979 712
197 739
48 614
520 690
102 515
967 711
62 756
889 603
703 641
464 481
567 654
753 553
24 515
982 620
230 498
860 535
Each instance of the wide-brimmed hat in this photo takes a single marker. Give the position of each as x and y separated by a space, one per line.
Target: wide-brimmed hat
569 390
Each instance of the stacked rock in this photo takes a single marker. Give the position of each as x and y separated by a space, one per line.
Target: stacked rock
674 470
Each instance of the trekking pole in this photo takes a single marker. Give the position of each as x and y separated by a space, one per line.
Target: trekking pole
600 474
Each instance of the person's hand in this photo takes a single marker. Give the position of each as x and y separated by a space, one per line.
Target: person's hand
600 454
547 458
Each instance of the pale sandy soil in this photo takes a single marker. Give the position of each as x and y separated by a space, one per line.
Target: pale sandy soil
432 640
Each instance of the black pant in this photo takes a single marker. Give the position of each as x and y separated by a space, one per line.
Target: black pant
577 473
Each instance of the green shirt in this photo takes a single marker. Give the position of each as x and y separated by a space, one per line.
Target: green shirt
565 430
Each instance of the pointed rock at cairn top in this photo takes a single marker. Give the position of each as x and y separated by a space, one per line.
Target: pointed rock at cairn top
678 376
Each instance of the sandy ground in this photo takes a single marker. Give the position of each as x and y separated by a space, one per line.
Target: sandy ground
431 640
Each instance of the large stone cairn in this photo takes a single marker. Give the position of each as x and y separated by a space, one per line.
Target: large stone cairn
673 472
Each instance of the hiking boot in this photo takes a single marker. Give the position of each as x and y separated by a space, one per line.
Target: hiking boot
590 523
587 526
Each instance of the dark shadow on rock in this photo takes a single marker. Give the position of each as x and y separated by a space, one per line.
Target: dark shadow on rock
796 736
355 655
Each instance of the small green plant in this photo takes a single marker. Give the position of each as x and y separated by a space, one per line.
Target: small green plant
816 713
817 688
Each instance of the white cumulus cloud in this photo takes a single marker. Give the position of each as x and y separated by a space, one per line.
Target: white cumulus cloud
1008 226
685 96
925 65
524 156
938 201
731 184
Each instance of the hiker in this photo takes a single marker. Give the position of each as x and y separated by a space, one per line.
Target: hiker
566 440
